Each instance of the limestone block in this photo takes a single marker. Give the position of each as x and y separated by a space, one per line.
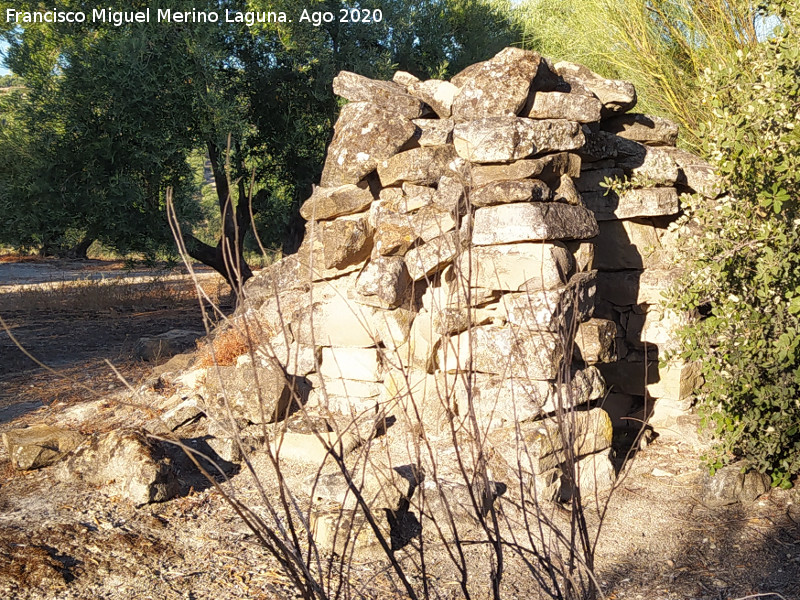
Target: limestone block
313 448
392 327
496 88
430 257
346 532
595 341
423 166
363 136
388 95
651 163
505 139
335 321
352 388
186 410
344 241
434 132
296 358
542 444
258 392
383 282
504 351
39 445
677 381
503 401
558 105
629 244
539 265
449 194
567 192
506 192
645 129
396 232
582 254
594 474
444 502
729 486
329 203
404 78
362 364
522 222
647 202
552 310
125 462
380 486
170 343
626 288
548 168
616 96
437 94
656 326
422 344
696 174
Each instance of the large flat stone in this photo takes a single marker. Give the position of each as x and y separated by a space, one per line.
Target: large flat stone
498 87
257 392
548 168
362 364
521 222
507 351
540 265
553 310
558 105
616 96
696 174
363 136
124 461
423 166
39 445
389 95
434 132
437 94
507 192
629 244
383 282
655 131
329 203
336 321
505 139
430 257
647 202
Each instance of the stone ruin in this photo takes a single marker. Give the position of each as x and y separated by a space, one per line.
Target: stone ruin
465 275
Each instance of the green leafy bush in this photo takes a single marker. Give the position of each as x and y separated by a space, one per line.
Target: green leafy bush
743 257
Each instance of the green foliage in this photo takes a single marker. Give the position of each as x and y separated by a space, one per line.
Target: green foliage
112 116
743 252
662 46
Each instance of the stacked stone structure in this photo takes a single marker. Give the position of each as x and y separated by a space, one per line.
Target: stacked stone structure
466 272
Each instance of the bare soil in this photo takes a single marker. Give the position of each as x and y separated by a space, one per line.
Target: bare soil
658 541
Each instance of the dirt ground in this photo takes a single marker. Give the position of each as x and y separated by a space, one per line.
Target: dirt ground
658 541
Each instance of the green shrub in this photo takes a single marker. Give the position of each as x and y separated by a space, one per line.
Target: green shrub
743 256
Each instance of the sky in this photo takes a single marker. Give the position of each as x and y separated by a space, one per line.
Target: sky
3 70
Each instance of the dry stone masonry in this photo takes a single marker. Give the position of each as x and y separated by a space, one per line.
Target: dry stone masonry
465 273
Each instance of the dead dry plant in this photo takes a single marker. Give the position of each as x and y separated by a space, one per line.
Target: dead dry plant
447 463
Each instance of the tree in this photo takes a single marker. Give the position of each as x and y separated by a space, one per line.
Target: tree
743 258
662 46
123 108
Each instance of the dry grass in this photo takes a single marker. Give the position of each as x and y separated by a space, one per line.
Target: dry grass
224 350
99 295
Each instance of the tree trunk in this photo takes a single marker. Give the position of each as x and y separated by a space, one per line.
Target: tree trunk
227 257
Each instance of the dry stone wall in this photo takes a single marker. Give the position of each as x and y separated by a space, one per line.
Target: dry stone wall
464 274
462 250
